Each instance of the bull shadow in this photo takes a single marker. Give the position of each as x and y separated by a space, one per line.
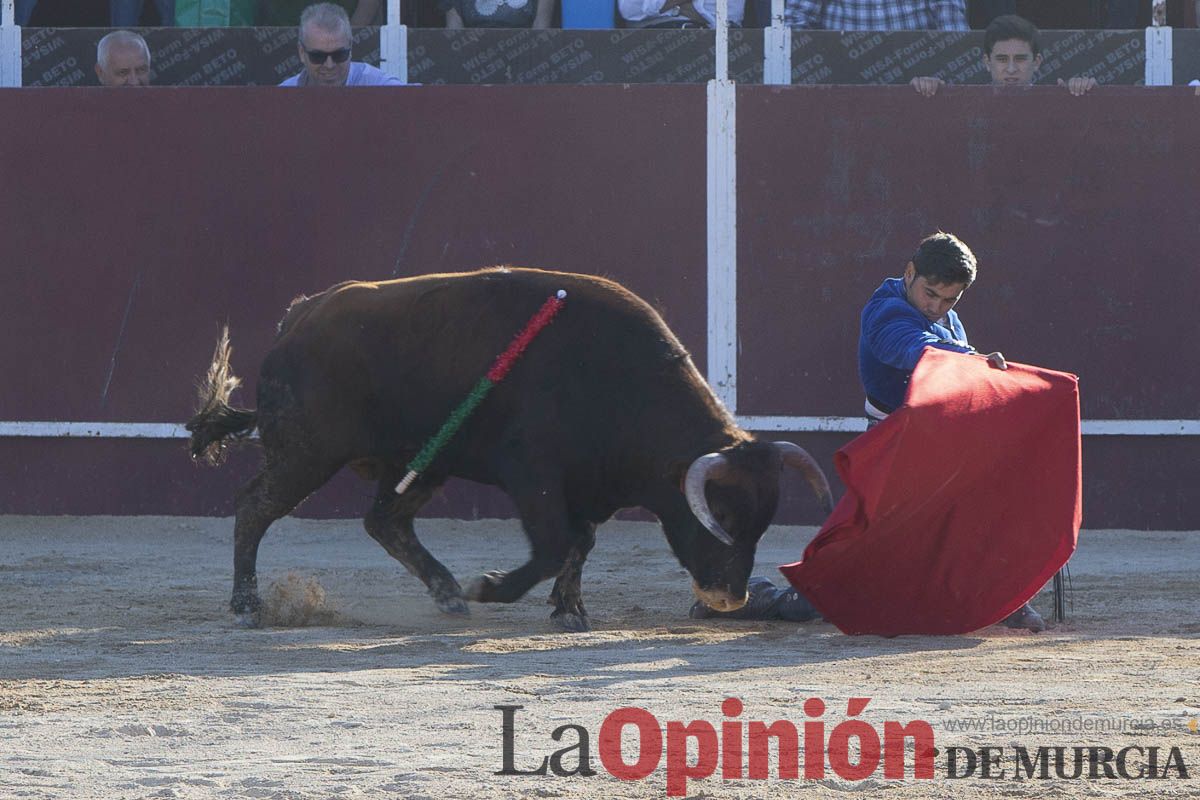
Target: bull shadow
614 653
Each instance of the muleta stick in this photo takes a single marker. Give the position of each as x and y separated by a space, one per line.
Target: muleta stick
500 367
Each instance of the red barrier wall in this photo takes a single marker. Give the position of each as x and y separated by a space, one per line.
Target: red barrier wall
137 222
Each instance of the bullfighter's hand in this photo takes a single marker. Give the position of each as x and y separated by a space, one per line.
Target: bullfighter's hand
996 360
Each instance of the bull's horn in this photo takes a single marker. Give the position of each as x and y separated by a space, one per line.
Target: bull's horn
796 456
713 465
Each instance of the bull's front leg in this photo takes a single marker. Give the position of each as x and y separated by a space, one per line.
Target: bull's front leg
567 594
552 538
559 542
499 586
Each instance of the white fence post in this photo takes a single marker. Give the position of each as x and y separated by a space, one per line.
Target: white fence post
10 46
1159 70
722 222
393 44
777 48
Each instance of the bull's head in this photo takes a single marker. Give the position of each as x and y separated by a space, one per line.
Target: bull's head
733 495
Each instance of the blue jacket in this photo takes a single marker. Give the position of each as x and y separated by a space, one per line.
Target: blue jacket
890 341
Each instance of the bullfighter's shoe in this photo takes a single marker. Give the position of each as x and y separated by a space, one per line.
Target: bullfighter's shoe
1025 617
767 601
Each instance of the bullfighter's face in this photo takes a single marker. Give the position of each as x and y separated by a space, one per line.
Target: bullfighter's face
325 55
933 300
1012 63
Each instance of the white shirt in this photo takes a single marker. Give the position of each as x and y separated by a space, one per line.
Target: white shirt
361 74
649 12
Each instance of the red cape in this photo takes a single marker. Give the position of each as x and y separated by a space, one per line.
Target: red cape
959 507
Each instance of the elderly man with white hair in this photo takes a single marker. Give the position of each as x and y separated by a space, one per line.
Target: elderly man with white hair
325 44
123 59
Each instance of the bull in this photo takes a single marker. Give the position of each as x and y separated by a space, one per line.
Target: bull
604 411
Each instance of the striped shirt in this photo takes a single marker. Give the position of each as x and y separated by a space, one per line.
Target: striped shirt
878 15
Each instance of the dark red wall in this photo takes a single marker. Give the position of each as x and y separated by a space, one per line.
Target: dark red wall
135 223
1081 211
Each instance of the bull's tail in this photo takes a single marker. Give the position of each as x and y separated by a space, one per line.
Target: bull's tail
216 420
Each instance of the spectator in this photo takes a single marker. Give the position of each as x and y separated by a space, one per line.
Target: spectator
123 59
286 13
128 13
878 15
677 13
497 13
1012 54
325 46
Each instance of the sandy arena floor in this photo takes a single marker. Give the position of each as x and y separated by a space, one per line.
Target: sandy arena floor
122 675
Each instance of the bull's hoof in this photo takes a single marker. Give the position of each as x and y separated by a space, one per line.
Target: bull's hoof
571 622
247 609
483 588
454 605
248 619
569 614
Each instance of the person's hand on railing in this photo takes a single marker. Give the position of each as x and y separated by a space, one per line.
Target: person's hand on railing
926 86
1078 86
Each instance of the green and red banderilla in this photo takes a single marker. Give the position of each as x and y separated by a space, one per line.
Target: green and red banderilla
503 363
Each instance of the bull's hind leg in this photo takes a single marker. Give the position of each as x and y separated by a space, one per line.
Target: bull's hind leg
390 522
567 594
278 487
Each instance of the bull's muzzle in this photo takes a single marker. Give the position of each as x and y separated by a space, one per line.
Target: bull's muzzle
719 599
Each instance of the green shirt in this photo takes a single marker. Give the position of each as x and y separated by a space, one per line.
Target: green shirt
286 13
215 13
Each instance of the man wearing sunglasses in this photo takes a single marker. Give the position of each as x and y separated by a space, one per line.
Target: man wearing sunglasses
325 44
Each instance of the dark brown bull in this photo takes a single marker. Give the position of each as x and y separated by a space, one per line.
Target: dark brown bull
604 411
